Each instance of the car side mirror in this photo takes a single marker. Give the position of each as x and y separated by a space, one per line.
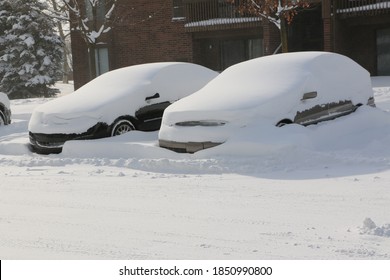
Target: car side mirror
309 95
157 95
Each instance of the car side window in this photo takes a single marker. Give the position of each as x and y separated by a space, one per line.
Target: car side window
341 108
324 112
312 115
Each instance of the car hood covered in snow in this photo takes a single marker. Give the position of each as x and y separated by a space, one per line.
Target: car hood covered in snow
271 86
116 93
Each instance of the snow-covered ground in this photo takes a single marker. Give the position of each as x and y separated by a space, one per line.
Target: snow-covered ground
317 192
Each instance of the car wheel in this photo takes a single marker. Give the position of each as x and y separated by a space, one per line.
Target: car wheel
122 126
2 118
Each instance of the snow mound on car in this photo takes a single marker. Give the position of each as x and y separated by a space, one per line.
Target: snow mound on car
285 77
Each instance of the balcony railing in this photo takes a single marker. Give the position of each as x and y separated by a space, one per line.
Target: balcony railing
205 15
348 8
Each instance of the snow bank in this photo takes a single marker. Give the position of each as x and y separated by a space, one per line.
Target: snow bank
136 144
358 142
363 132
381 87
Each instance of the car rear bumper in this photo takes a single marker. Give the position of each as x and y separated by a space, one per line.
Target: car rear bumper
187 147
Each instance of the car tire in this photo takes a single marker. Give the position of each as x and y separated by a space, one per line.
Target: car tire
2 119
121 126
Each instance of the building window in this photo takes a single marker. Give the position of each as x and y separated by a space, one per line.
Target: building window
178 9
236 51
98 9
101 61
383 52
255 48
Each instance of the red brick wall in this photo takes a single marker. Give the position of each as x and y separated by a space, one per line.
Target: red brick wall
80 60
207 44
328 35
359 43
355 37
271 38
144 32
207 52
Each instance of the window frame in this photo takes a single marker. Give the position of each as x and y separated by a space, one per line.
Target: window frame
102 60
178 10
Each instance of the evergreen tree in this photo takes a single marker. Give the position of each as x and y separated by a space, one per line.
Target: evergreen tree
30 50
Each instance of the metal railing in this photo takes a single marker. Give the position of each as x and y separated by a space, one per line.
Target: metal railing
349 8
203 15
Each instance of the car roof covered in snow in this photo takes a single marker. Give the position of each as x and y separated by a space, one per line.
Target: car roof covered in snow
173 80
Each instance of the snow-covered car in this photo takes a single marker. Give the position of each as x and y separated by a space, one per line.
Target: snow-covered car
303 88
5 111
130 98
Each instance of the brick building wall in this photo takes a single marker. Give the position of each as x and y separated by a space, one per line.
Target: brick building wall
143 32
271 37
146 32
80 60
359 42
327 15
208 46
207 51
328 35
354 32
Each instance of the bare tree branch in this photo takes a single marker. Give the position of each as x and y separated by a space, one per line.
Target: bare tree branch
89 21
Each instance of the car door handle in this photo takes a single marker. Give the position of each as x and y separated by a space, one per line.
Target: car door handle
157 95
309 95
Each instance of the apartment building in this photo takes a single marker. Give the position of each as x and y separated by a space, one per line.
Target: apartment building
207 32
359 29
214 34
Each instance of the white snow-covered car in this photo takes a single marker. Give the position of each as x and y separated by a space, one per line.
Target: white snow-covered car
5 111
303 88
130 98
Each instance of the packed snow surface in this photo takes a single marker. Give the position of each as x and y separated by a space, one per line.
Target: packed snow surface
316 192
